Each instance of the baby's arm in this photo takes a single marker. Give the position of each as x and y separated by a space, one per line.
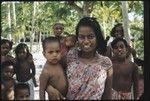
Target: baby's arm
43 83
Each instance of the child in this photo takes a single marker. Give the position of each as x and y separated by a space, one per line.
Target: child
53 73
24 64
58 30
7 80
125 72
118 32
22 91
70 41
6 46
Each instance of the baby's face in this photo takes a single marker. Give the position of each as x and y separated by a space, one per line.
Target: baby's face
23 94
69 41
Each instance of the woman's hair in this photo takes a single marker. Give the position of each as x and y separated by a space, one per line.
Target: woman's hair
21 46
112 33
92 23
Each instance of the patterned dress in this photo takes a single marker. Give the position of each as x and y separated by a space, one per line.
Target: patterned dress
86 81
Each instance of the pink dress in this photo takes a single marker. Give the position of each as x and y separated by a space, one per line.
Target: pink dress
86 81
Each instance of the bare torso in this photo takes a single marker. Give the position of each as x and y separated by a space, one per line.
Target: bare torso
123 76
23 71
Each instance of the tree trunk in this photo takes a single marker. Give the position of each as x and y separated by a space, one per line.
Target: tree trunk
125 20
126 24
32 34
9 23
14 13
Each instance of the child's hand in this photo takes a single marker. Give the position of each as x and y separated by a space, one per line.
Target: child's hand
54 93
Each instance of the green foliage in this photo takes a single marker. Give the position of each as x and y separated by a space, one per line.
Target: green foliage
49 12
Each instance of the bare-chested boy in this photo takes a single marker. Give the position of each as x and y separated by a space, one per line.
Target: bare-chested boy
24 64
53 74
125 72
6 46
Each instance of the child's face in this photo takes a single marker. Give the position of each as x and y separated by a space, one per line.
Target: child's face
22 54
58 30
5 48
69 41
8 72
52 52
120 50
23 94
119 32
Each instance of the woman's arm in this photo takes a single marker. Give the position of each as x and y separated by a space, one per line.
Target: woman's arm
108 85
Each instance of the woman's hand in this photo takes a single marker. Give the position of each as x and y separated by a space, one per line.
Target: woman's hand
54 94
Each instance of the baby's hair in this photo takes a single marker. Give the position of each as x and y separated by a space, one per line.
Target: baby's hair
4 41
20 86
115 41
21 46
49 40
112 33
6 63
72 36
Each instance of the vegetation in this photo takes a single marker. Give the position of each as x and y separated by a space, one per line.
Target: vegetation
34 20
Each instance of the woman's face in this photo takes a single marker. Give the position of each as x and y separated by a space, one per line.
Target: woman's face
87 39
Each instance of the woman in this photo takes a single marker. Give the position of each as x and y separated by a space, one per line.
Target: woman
89 74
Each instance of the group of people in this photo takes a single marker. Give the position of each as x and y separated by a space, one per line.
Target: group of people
78 67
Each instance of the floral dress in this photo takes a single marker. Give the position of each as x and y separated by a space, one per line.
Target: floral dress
86 81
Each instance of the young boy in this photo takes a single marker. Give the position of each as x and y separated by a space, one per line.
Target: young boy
6 46
125 72
7 80
22 91
24 64
53 73
58 30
